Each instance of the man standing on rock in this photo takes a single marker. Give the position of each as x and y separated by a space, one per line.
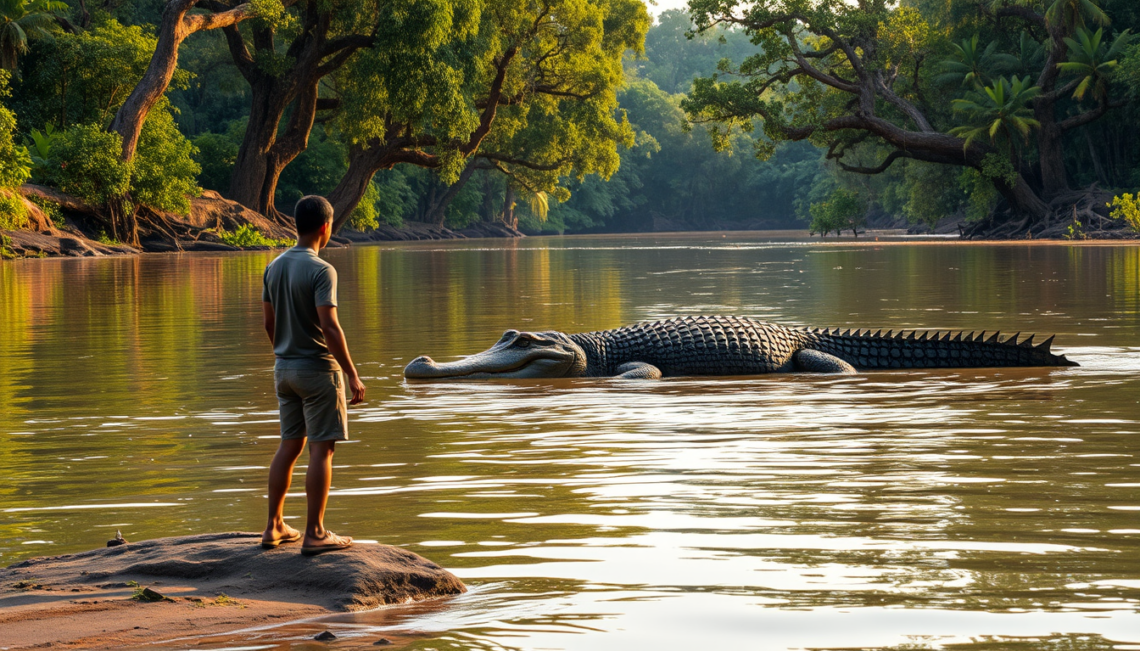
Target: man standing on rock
299 307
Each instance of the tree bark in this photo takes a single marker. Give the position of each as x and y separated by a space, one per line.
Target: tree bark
266 151
174 27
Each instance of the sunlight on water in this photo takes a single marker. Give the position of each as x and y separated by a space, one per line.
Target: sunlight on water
980 509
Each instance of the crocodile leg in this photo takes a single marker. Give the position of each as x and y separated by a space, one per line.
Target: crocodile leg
813 361
638 371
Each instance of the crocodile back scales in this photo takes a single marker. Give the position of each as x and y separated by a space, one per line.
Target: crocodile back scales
727 345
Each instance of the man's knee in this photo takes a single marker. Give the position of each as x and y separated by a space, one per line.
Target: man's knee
321 448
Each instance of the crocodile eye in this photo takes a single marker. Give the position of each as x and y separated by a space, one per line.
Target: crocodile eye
523 343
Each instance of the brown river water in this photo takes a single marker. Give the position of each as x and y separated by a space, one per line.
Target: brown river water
940 509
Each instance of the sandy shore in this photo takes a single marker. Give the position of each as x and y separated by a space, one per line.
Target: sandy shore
205 585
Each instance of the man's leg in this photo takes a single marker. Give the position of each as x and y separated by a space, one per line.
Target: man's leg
318 480
280 477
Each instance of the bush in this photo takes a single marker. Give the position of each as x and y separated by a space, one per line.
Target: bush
363 217
13 213
246 236
165 171
89 164
216 154
1127 208
15 162
843 210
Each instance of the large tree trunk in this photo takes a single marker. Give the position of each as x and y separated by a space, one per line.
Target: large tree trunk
1050 147
362 166
1022 199
174 27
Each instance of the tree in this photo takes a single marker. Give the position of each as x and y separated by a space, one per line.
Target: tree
1059 20
176 24
529 88
325 36
845 75
21 20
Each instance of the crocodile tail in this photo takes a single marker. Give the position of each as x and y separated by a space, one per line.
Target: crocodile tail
864 349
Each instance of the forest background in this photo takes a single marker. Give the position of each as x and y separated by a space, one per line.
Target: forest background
575 115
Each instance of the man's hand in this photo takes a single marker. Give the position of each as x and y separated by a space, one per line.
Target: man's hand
357 388
334 338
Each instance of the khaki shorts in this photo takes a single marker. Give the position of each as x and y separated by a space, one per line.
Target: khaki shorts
312 403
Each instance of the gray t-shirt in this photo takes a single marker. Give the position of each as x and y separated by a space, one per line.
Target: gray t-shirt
296 283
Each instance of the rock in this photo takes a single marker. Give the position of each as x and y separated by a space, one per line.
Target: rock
362 577
382 642
117 540
147 594
324 636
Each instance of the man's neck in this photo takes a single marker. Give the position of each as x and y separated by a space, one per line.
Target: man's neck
309 242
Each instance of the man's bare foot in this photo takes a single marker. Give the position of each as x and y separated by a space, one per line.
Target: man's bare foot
279 534
329 542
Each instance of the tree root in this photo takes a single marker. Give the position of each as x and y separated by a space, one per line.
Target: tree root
1076 215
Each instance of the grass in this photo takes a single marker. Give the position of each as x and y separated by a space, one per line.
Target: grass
247 236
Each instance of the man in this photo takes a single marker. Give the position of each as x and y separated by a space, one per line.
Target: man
299 307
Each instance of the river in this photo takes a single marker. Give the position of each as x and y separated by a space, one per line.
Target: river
978 509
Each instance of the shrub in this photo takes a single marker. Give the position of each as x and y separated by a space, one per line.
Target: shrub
843 210
1127 207
15 162
363 217
89 165
165 171
13 213
247 235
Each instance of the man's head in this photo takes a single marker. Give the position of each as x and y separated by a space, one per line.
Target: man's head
314 217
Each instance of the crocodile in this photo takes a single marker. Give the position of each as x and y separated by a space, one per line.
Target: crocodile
729 345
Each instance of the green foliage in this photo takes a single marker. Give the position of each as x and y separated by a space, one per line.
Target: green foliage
84 78
164 168
50 209
21 20
13 212
15 162
86 163
843 210
1092 61
363 217
247 236
1127 208
103 238
973 66
216 155
998 111
40 144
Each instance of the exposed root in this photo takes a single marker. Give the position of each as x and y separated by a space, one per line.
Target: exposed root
1078 215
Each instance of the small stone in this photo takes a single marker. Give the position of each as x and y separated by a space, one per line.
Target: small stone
324 636
382 642
146 594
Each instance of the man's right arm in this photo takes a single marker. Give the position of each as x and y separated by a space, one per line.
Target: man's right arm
334 339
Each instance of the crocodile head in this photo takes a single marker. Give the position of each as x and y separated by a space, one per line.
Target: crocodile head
516 355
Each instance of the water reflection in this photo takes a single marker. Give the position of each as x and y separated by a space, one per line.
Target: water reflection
935 509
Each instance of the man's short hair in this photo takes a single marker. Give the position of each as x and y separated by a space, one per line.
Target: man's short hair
311 213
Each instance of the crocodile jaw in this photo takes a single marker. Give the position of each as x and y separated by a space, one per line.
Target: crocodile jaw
544 356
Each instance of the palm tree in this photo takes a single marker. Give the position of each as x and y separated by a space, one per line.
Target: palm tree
999 111
1074 12
1091 60
972 66
21 20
